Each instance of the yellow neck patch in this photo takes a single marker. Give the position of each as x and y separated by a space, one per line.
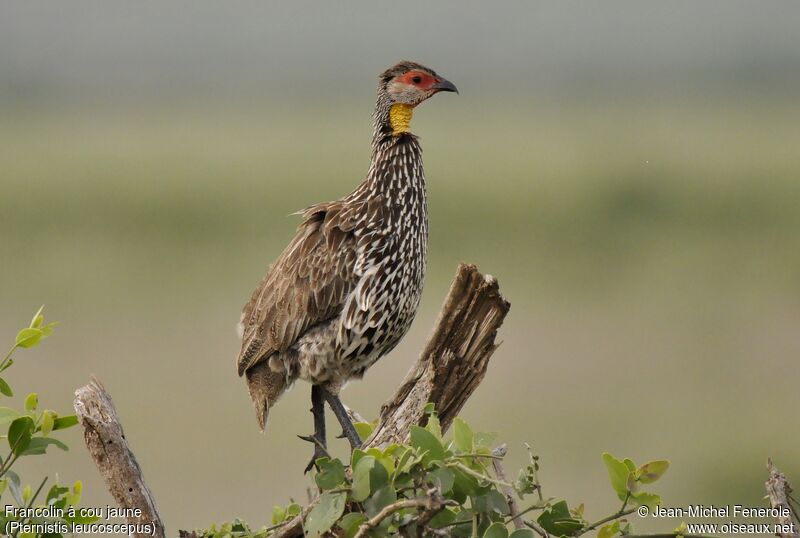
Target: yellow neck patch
400 118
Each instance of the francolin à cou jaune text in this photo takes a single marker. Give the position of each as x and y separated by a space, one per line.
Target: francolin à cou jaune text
346 288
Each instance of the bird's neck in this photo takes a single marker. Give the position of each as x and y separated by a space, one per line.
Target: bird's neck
396 167
392 120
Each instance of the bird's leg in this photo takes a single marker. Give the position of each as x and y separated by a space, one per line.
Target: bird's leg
348 429
318 438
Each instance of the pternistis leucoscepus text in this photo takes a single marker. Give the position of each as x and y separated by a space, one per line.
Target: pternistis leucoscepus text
345 290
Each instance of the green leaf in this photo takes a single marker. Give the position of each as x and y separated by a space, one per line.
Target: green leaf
492 501
19 434
632 484
293 510
425 441
331 473
496 530
379 500
383 459
463 437
5 389
55 493
327 511
652 471
443 478
558 520
651 500
364 430
37 319
38 446
47 330
350 523
355 456
443 518
29 337
278 515
522 533
434 426
48 420
524 483
7 415
31 402
618 474
484 439
62 423
361 478
464 485
14 486
378 477
609 530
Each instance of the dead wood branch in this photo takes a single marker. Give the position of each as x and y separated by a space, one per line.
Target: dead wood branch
109 449
454 361
500 473
779 492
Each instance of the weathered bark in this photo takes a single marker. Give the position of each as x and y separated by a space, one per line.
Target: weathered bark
454 361
109 449
451 366
778 491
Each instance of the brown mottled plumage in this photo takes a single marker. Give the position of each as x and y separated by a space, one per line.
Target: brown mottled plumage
345 290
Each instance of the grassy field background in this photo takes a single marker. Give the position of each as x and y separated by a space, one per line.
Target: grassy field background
650 248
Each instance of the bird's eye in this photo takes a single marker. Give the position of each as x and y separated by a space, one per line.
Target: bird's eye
416 79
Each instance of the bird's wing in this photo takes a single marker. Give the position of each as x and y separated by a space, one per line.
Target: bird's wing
306 285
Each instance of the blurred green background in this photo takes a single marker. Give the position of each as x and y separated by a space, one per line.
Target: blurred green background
628 170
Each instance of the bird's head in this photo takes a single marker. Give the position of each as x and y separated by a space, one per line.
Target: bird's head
404 86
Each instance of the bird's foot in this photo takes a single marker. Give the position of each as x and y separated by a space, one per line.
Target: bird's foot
319 451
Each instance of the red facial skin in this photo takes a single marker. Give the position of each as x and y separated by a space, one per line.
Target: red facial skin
426 81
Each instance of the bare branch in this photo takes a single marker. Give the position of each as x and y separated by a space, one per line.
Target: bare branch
454 361
432 504
106 442
779 492
500 473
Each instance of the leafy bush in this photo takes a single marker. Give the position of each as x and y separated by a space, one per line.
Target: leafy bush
30 433
446 487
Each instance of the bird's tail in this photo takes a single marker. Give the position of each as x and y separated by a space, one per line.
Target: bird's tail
266 386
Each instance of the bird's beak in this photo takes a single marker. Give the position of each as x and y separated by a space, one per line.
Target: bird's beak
445 85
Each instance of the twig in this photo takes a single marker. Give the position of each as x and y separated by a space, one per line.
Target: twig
32 500
106 442
498 453
535 466
537 529
622 513
431 503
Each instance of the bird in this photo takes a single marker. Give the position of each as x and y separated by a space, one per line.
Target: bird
346 289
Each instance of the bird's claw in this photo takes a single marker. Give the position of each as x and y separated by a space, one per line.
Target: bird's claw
355 441
319 451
